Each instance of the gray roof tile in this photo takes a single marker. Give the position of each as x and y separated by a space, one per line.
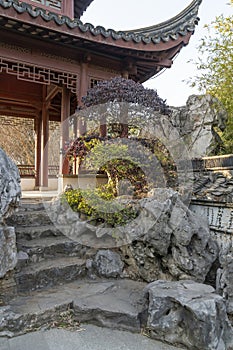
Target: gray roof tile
182 24
216 186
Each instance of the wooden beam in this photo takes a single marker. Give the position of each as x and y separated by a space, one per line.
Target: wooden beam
52 94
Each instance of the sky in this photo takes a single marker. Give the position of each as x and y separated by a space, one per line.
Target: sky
131 14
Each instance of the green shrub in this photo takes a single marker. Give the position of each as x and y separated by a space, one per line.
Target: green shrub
99 205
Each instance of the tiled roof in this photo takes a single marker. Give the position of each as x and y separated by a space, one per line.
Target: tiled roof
215 186
180 25
80 6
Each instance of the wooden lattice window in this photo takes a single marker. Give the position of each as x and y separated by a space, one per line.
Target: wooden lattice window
41 75
53 4
18 140
60 7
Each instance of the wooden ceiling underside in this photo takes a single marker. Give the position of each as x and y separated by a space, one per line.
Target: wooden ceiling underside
24 99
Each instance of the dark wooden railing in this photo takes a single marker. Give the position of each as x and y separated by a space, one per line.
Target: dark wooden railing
211 163
53 170
26 170
29 170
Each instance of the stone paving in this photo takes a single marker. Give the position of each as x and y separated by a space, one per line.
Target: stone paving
56 287
113 304
89 337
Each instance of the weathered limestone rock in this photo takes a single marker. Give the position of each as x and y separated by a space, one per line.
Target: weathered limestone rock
195 123
142 262
166 240
175 244
10 190
8 251
113 304
189 314
108 263
221 274
225 276
10 193
219 217
8 288
192 249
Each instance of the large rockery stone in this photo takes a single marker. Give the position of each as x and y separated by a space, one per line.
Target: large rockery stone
186 313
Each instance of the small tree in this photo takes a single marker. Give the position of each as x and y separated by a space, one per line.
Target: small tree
124 90
123 98
215 65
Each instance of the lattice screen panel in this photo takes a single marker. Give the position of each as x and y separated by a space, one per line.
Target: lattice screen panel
18 139
53 4
41 75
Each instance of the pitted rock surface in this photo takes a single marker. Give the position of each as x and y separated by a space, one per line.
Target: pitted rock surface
195 122
166 240
108 263
8 251
188 314
10 191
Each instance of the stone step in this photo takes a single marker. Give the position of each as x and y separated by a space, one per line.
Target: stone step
84 337
32 205
29 218
114 304
48 273
29 207
23 232
49 247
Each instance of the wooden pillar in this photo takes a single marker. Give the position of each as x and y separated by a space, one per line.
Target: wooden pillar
124 120
81 127
103 128
83 87
124 131
75 127
68 8
37 128
103 122
44 143
65 113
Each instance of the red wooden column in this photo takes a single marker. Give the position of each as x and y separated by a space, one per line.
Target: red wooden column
65 113
75 127
68 8
37 128
103 128
103 122
83 87
124 111
44 143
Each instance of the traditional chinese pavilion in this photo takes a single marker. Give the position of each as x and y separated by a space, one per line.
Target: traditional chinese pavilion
49 58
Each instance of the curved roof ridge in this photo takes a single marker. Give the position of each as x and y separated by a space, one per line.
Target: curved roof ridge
182 24
191 9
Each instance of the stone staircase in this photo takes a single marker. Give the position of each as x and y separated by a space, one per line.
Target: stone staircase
46 257
55 288
51 278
